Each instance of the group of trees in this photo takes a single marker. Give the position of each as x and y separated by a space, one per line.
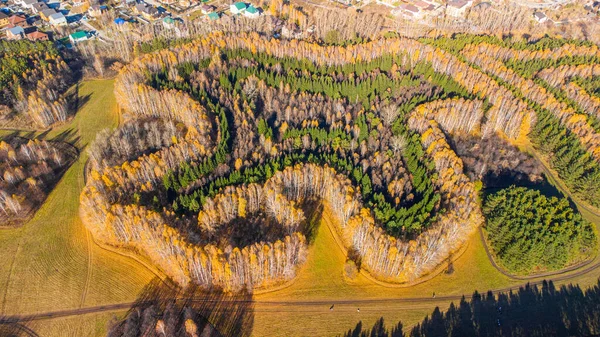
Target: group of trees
530 232
231 135
564 131
28 171
33 80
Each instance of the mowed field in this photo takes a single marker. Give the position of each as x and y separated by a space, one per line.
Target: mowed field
52 264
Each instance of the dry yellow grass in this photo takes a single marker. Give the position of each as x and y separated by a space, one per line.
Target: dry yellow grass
50 262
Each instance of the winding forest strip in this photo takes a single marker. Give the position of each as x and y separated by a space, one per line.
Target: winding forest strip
440 268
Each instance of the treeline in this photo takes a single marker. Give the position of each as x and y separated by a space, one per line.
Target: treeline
33 80
28 171
529 232
531 310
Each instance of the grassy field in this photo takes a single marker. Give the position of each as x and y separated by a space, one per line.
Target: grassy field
51 264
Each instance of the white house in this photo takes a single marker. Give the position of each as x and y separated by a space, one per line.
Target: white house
57 19
251 12
237 8
540 17
78 36
458 8
28 3
15 33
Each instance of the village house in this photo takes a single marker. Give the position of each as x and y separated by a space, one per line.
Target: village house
207 9
237 8
213 16
168 22
78 36
96 11
15 33
147 11
28 3
458 8
540 17
252 12
57 19
37 36
45 14
3 20
17 21
39 7
408 10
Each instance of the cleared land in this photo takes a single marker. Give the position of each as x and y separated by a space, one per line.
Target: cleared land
51 265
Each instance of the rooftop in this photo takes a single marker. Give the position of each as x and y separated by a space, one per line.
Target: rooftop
16 30
457 3
78 35
252 10
36 35
56 16
240 5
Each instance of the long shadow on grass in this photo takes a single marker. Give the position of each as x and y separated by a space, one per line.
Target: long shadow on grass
163 310
531 311
11 328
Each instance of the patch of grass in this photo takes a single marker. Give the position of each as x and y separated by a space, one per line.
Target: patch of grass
51 262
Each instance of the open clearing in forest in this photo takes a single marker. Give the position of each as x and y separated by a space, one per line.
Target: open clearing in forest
49 264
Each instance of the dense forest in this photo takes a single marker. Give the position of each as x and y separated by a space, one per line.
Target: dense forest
33 81
28 170
529 232
231 141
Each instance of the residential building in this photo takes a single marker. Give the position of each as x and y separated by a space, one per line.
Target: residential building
147 11
540 17
39 7
3 20
458 8
15 33
251 12
207 9
119 21
57 19
168 22
213 16
17 20
96 11
78 36
237 8
36 35
46 13
28 3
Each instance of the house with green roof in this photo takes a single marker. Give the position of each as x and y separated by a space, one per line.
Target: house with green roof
213 16
78 36
252 12
237 8
168 22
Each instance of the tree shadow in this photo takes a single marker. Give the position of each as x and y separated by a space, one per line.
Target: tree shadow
530 311
69 136
165 310
15 328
